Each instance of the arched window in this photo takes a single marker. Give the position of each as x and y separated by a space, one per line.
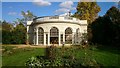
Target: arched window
54 34
40 35
68 36
77 35
34 41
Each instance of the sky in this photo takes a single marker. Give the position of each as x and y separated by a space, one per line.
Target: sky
12 10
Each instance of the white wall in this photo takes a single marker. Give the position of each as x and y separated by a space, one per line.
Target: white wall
81 24
61 26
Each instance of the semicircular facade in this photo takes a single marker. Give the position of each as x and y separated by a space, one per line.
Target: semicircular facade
56 30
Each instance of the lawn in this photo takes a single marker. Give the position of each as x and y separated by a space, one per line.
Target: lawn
107 56
18 57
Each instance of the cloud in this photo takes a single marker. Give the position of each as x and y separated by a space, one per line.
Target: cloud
10 7
62 10
20 14
66 4
119 5
65 14
12 13
65 7
89 0
41 2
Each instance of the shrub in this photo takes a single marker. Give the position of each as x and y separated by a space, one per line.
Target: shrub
50 52
65 57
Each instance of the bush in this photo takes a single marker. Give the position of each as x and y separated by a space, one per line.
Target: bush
50 52
65 57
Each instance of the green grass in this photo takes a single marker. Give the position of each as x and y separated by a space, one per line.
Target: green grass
106 56
19 56
107 59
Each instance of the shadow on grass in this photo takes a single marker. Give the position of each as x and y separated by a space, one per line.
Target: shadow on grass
111 49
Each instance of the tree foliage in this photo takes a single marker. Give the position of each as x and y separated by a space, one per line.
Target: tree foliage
7 26
87 11
106 29
28 16
114 14
19 34
119 5
13 35
16 33
6 32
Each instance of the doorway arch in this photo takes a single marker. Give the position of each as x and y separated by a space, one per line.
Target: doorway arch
54 35
40 35
68 36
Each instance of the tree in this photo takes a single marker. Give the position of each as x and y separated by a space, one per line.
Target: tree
114 14
18 21
106 29
7 26
87 11
101 33
13 35
0 31
16 34
28 16
119 5
19 34
6 32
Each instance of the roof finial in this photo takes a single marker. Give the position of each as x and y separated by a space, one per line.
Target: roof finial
69 13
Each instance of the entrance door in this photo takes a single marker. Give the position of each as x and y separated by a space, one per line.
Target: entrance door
54 40
54 34
68 36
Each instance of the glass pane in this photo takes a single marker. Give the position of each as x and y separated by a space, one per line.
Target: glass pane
40 36
68 36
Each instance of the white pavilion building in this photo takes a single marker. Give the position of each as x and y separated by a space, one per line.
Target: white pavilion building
56 30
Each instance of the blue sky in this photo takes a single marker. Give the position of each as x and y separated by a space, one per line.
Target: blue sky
12 10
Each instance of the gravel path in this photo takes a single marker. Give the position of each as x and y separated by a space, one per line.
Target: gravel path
33 46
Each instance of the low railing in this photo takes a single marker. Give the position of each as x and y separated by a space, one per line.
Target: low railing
54 17
57 18
68 18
